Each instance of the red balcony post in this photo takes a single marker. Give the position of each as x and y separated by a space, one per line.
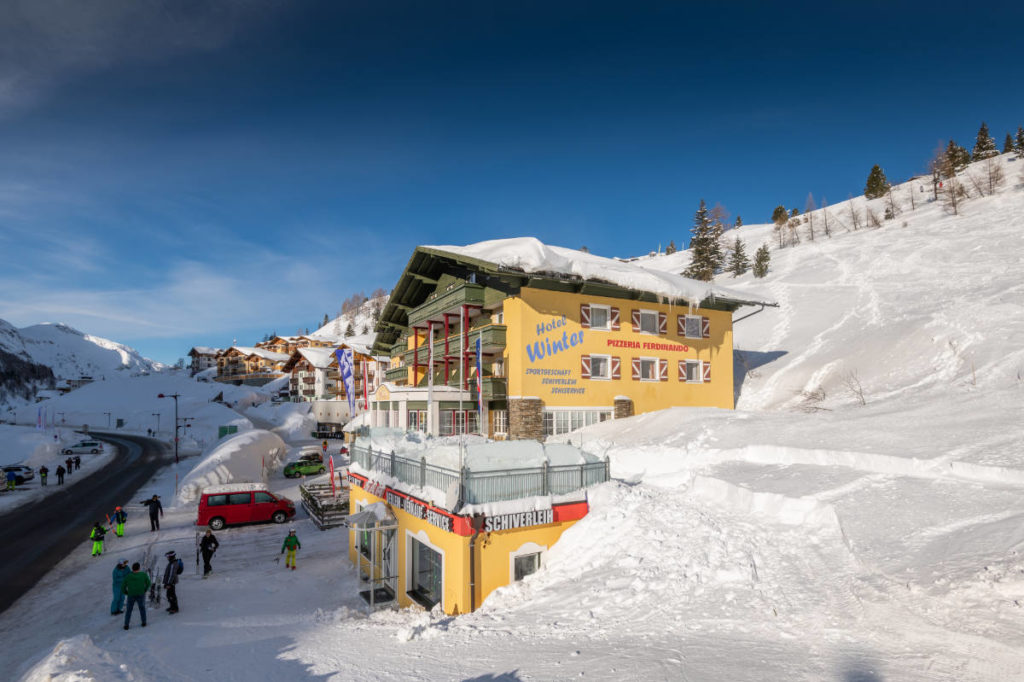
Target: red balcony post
415 356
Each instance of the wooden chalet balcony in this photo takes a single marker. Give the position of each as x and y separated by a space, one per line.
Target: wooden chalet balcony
493 342
397 375
308 380
447 302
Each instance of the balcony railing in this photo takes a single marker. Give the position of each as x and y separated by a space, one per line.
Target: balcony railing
493 337
446 302
397 375
481 487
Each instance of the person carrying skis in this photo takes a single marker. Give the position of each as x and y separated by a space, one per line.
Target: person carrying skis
119 518
121 571
60 475
135 585
43 471
208 545
175 566
96 536
155 508
291 543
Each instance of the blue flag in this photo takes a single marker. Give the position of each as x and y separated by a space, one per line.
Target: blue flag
345 363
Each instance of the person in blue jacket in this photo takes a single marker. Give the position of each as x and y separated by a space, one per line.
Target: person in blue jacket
120 571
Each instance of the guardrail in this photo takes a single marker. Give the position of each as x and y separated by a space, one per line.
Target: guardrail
481 487
326 510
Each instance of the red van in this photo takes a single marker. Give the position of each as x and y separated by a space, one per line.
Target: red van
236 503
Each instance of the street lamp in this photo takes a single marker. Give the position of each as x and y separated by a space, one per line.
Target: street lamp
157 415
108 419
175 396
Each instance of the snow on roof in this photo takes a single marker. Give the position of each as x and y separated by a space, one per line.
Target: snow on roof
318 357
261 352
530 255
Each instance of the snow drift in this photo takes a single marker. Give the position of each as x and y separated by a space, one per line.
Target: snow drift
242 458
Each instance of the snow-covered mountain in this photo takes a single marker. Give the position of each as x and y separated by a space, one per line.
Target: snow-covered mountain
356 325
67 353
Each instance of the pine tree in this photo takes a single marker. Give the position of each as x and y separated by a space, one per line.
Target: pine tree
738 263
794 213
780 215
761 260
1019 145
350 330
739 222
957 157
877 184
702 246
671 248
1008 144
984 146
326 320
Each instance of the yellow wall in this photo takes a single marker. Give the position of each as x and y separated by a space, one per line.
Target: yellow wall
534 307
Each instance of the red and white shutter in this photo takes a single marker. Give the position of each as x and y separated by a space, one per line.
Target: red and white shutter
662 324
705 327
613 320
585 366
616 371
636 320
682 370
585 316
681 325
635 362
663 369
706 369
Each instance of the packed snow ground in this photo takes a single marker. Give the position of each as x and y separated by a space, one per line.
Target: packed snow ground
808 535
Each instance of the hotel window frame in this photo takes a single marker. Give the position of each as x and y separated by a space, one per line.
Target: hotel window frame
607 309
646 313
500 422
698 371
411 557
607 360
655 369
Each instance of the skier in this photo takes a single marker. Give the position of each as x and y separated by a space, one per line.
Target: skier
135 585
12 480
60 475
291 543
175 566
70 464
119 518
208 545
96 536
121 571
78 462
155 508
43 471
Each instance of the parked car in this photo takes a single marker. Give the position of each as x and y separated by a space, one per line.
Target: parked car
304 467
21 473
237 503
311 457
92 447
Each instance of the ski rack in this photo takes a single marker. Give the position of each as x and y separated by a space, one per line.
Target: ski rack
325 510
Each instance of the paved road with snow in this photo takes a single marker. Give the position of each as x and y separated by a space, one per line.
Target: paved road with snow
41 534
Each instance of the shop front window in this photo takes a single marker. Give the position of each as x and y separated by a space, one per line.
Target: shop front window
526 565
426 587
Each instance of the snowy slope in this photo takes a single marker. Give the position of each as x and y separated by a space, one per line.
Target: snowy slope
860 516
359 319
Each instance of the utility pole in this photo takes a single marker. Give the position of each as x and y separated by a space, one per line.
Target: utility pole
108 420
157 415
175 396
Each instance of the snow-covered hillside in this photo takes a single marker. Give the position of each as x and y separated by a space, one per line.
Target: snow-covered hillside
351 325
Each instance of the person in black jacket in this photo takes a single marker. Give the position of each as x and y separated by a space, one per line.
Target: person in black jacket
60 475
208 545
174 567
155 511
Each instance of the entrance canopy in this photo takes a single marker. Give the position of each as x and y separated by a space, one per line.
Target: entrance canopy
376 516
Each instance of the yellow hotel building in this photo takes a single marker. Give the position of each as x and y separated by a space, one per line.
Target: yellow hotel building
555 339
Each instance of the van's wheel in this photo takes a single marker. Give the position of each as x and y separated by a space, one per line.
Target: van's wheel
67 452
216 523
279 517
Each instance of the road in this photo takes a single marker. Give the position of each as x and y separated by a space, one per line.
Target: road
39 535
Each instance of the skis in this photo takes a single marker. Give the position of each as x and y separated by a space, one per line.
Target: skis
154 585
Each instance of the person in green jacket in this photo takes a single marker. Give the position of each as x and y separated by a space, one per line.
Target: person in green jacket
291 543
135 585
97 534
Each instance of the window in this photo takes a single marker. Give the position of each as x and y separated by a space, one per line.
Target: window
648 369
599 317
239 498
447 427
498 368
526 564
600 367
426 578
564 421
693 374
692 330
216 500
500 421
648 322
264 497
499 316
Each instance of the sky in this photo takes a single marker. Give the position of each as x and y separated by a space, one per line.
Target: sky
189 173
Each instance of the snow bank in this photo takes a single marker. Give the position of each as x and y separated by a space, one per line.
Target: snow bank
289 420
241 458
78 659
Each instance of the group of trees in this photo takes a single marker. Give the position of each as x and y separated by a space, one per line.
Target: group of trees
707 257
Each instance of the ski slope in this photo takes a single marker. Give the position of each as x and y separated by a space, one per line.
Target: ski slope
859 516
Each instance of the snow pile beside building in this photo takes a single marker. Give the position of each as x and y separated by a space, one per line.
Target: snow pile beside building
78 659
241 458
291 421
530 255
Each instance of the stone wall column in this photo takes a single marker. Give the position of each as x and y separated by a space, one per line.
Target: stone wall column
623 407
526 419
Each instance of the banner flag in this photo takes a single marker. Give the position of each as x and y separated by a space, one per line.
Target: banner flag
479 375
345 369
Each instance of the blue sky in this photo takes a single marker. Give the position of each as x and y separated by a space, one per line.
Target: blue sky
176 174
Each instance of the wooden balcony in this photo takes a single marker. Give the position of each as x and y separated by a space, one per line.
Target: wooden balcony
447 302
